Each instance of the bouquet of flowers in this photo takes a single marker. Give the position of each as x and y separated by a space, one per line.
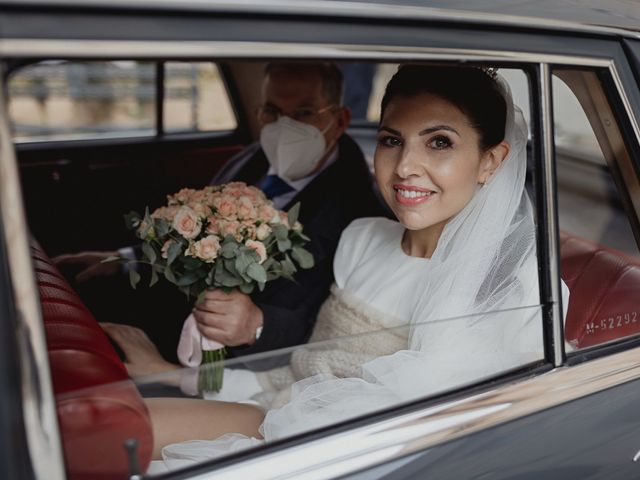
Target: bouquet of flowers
225 236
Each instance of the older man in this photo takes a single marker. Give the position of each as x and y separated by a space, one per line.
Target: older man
303 156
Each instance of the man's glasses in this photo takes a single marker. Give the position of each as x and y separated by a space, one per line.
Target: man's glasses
270 113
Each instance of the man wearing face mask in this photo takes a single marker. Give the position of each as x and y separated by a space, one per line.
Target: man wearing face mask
303 156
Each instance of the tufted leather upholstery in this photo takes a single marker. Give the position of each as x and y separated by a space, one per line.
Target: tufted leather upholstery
98 405
604 285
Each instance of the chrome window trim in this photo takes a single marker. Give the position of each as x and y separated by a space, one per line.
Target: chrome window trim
572 383
53 48
347 452
617 80
551 242
335 9
39 409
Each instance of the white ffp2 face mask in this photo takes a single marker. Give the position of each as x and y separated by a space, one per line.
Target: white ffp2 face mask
293 148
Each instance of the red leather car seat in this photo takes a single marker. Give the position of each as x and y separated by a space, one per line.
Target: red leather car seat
99 407
604 285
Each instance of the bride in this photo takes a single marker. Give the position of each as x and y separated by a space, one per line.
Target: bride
456 271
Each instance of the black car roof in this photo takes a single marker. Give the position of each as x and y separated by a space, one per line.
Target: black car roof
596 15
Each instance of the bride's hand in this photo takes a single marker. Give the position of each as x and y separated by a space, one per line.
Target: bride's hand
142 356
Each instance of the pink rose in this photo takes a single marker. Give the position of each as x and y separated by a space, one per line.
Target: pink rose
246 210
263 231
230 227
182 197
187 223
206 249
259 247
255 194
201 209
234 189
167 213
213 226
225 205
266 213
235 185
199 196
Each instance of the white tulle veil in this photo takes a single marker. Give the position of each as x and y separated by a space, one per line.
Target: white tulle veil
485 262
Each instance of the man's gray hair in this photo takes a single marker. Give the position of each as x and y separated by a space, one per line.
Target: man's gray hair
332 79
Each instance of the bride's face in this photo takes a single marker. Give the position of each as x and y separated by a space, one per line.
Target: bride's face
428 160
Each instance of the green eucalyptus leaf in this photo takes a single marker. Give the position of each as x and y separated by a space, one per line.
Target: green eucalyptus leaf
169 275
229 249
161 226
281 232
154 277
228 280
134 277
246 288
303 237
200 298
303 257
188 279
149 252
175 249
288 268
242 263
257 272
293 213
284 245
113 258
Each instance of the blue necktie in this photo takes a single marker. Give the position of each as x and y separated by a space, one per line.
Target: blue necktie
274 186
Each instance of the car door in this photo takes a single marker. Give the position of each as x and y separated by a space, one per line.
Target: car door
464 415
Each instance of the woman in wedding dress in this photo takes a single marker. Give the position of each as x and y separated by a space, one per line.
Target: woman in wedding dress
454 275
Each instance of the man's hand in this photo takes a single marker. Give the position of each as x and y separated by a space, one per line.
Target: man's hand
142 356
91 263
228 318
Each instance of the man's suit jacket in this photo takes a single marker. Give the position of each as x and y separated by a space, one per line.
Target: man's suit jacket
339 194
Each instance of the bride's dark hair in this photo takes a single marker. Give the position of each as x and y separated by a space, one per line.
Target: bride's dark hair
472 90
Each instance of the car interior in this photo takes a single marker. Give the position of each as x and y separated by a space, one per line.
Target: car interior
77 186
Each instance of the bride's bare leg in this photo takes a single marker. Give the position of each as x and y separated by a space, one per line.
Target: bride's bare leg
178 419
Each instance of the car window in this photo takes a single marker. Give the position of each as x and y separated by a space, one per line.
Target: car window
82 100
52 100
600 260
441 352
195 98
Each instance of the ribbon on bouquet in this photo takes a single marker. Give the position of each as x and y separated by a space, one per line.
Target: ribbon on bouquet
190 348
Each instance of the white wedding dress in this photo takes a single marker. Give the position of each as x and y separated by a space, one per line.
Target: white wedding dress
469 312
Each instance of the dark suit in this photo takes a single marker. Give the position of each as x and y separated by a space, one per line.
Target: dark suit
339 194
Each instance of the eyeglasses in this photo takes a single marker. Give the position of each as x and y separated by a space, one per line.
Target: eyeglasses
270 113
